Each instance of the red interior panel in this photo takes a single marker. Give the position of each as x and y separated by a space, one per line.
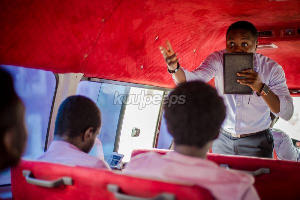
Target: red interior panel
89 183
119 39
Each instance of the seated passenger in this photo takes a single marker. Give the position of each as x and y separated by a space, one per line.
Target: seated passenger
283 145
77 125
13 134
194 124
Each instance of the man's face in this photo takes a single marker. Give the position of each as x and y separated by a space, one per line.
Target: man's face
240 41
91 141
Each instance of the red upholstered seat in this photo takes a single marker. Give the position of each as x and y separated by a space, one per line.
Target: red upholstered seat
281 183
88 183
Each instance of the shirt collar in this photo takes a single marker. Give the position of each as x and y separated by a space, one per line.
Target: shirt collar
188 160
55 144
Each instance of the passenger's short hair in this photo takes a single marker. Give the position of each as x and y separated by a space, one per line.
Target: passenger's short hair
8 101
197 119
11 121
75 115
243 25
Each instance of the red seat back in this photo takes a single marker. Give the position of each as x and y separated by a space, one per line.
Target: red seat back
281 183
91 183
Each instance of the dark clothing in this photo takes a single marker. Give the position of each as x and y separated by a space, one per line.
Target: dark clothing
260 144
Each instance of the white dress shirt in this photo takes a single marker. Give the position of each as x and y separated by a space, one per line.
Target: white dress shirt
247 113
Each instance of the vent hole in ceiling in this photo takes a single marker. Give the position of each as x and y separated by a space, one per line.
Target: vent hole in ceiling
268 33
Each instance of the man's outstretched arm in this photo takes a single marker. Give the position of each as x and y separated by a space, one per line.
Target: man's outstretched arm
172 63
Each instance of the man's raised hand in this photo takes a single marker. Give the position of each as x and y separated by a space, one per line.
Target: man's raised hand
169 55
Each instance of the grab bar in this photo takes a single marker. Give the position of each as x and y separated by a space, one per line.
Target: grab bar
48 184
118 195
253 173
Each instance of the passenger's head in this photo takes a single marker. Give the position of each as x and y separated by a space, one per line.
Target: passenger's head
241 37
13 134
196 119
78 122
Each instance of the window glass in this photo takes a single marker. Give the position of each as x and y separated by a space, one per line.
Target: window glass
291 127
164 138
122 115
140 120
36 89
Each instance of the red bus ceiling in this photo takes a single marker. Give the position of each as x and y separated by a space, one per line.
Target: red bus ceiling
119 40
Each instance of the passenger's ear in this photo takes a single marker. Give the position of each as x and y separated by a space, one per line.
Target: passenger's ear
256 45
88 134
9 145
8 140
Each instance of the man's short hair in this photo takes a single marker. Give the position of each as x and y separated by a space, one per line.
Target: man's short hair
243 25
8 101
75 115
198 119
11 121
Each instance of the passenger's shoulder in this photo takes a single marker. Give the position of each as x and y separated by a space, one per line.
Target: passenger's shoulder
142 162
148 155
101 164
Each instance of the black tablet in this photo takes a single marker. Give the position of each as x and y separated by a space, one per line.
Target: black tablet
234 63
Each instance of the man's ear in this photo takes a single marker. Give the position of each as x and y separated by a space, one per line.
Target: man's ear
8 141
256 45
88 134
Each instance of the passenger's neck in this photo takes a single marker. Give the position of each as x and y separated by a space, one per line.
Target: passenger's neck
73 141
192 150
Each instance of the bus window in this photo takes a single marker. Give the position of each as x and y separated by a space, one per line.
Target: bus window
125 108
140 120
164 138
291 127
36 88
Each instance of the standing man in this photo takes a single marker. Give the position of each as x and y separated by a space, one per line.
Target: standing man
245 130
